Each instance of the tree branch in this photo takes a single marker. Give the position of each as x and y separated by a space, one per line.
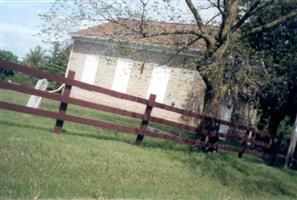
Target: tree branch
216 5
251 11
272 24
245 16
219 6
141 26
211 19
182 48
173 33
204 32
230 18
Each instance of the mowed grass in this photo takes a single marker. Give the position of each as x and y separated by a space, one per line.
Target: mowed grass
86 162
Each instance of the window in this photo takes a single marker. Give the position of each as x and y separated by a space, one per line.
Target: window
122 75
158 84
90 69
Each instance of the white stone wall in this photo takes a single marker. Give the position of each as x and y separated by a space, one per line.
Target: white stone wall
182 83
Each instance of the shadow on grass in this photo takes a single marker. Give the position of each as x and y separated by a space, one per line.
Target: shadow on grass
25 126
127 138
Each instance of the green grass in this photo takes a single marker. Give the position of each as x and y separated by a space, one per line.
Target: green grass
86 162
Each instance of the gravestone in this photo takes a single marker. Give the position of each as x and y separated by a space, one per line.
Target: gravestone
34 101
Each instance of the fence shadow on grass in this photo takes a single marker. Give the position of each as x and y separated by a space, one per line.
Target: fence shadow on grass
114 136
129 139
21 125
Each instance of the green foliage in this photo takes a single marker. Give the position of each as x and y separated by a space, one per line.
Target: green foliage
58 59
85 162
278 47
24 79
285 128
36 58
237 78
54 62
278 96
7 56
11 75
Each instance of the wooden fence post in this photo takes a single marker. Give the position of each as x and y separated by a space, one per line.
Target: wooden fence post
243 143
146 118
63 105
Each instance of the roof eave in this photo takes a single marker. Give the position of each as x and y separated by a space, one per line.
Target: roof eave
148 47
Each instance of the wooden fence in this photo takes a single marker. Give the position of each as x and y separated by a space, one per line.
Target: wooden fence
145 117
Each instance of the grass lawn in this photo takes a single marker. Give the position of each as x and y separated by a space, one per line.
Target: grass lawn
86 162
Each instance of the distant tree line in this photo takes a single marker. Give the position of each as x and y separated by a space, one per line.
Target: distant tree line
54 61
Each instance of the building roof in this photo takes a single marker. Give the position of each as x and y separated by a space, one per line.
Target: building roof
128 31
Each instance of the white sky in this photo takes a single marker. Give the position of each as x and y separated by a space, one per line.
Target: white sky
20 22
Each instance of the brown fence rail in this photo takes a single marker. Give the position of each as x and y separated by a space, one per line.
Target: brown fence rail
145 118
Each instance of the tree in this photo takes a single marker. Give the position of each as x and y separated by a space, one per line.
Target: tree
54 61
278 96
58 59
7 56
36 58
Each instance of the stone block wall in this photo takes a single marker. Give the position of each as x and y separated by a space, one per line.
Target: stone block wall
185 87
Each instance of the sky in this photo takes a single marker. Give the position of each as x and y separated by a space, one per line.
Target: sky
20 24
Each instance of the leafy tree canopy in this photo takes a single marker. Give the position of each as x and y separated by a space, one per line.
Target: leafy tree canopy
278 49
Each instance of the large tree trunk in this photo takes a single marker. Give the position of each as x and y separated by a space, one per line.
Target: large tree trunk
213 77
213 99
292 145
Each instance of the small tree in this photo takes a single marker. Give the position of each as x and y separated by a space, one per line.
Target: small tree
36 58
58 59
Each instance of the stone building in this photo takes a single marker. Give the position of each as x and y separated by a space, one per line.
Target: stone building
111 56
